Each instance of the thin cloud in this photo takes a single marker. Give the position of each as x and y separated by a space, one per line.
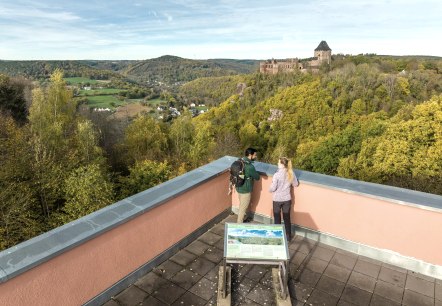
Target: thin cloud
168 17
118 29
21 14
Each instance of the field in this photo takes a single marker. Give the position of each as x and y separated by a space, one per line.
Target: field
78 80
134 100
130 110
105 101
97 92
107 98
204 108
155 102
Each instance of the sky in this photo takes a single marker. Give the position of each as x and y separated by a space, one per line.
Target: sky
197 29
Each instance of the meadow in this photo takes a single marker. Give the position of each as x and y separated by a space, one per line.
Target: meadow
204 108
106 97
98 92
80 80
155 102
104 101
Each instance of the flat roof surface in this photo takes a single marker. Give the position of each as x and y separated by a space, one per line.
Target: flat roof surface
319 275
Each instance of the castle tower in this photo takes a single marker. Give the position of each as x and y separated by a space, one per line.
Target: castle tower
323 52
262 67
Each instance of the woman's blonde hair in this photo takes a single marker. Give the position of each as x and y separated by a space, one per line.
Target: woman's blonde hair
287 163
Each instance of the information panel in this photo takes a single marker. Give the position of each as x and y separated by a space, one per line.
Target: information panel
255 241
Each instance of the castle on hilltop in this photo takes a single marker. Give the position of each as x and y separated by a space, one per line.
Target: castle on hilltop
322 55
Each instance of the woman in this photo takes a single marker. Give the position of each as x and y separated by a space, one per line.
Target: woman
282 180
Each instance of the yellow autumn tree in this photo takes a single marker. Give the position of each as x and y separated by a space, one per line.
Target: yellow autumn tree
144 139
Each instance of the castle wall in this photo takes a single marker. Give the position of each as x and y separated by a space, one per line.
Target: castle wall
274 67
290 65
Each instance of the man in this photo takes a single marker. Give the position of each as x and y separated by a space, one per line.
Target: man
245 191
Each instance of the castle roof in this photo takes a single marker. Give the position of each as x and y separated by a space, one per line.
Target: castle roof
323 46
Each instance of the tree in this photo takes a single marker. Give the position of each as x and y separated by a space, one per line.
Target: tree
326 156
227 143
49 166
404 151
248 134
358 107
86 190
144 139
13 97
85 141
144 175
181 135
18 204
51 114
51 119
203 143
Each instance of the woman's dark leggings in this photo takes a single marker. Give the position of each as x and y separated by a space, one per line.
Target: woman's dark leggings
285 207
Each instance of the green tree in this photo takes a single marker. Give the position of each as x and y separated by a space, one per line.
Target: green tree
203 143
410 148
144 175
52 114
227 143
404 151
358 107
326 156
86 190
85 141
18 220
51 119
181 136
144 139
40 157
13 97
248 134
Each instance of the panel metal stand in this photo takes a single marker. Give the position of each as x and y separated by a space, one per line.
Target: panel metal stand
282 273
240 241
224 297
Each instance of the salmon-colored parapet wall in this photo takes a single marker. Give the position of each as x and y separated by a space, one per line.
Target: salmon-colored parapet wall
82 273
405 229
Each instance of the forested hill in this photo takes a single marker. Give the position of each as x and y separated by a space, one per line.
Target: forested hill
172 69
377 122
43 69
116 66
214 90
238 66
241 66
166 69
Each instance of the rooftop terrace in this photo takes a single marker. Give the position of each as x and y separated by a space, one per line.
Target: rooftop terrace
319 275
356 244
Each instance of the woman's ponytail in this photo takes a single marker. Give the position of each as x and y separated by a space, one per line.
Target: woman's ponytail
288 167
290 171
